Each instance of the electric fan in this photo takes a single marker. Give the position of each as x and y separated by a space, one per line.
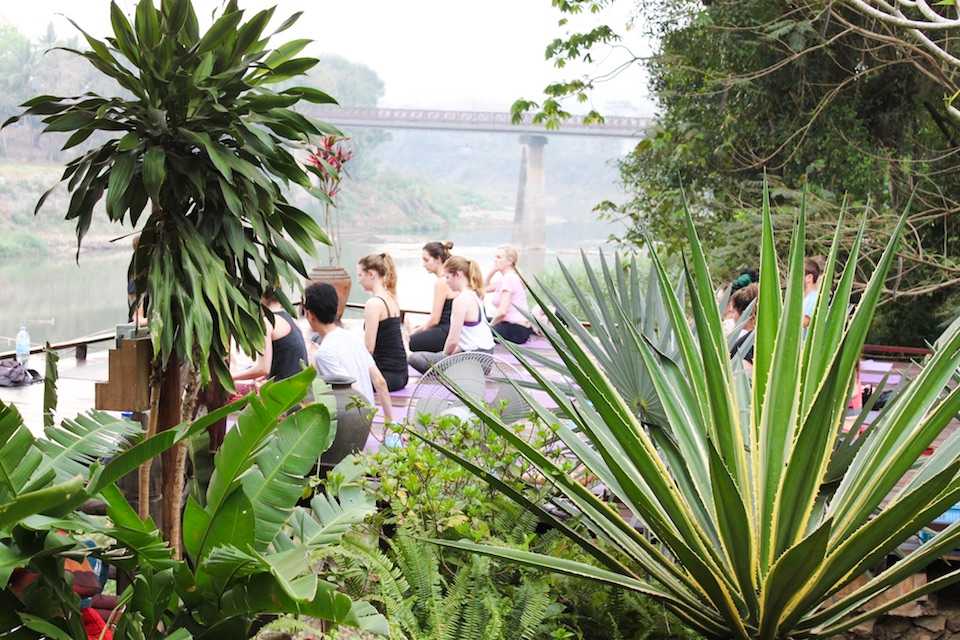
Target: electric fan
481 376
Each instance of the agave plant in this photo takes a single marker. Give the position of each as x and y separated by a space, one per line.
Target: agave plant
748 546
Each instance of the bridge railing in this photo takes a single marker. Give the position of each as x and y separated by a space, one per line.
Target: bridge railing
468 119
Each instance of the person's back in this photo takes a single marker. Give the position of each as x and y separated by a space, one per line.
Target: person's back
475 334
389 352
289 350
342 353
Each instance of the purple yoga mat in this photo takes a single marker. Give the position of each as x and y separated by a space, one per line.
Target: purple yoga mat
875 378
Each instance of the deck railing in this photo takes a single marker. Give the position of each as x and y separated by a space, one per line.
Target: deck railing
79 345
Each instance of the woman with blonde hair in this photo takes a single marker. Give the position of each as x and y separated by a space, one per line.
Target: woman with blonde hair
432 335
381 318
469 330
509 297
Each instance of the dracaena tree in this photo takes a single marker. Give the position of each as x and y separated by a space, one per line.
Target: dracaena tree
198 155
198 150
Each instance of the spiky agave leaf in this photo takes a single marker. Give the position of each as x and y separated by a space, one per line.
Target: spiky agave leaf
750 550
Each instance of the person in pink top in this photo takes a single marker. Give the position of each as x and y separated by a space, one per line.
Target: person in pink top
509 297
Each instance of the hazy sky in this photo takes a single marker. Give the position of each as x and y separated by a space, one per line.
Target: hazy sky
450 54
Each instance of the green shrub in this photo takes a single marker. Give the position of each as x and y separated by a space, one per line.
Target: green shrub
433 495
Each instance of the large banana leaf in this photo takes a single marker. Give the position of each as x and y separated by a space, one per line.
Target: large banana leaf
330 516
217 522
74 445
234 573
749 544
20 458
275 483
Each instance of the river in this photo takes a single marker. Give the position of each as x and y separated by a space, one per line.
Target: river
58 298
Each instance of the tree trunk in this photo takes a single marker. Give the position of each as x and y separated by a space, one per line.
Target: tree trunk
143 480
168 416
214 396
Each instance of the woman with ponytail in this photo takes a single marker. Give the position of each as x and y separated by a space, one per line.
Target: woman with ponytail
432 335
381 318
469 330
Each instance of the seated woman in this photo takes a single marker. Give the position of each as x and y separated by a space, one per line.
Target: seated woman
381 318
739 302
432 335
509 297
469 330
284 351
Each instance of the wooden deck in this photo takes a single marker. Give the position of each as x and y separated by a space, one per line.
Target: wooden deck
75 388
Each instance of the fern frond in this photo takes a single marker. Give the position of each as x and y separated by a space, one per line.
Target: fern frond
531 603
453 625
420 567
394 588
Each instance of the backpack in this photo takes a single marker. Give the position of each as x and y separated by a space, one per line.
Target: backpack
14 374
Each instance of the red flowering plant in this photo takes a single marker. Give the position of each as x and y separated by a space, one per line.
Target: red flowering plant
328 163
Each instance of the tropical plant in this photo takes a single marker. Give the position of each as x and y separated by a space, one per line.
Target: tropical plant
248 544
329 159
42 482
747 544
199 136
203 140
422 604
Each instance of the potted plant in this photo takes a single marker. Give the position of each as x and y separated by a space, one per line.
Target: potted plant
327 162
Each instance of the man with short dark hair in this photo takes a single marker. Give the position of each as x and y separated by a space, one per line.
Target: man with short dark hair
342 353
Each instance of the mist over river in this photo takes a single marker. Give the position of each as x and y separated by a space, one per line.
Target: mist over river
58 299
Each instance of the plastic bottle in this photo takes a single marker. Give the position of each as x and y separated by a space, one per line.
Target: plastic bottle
23 346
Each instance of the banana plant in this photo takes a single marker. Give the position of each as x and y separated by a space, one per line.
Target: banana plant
248 545
747 546
42 482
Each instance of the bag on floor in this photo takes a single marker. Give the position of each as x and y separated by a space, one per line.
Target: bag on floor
14 374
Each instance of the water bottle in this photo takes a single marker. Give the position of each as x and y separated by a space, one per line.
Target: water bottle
23 346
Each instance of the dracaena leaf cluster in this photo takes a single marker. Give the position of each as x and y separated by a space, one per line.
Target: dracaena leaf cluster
201 149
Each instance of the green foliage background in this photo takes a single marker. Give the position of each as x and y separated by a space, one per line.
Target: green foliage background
798 92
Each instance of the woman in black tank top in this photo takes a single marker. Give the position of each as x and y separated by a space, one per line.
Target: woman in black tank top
284 352
432 335
383 334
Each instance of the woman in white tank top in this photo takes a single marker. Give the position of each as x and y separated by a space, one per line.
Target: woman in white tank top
469 330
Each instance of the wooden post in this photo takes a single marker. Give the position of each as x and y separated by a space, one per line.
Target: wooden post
171 389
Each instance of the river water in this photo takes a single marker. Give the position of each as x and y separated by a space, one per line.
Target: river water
59 299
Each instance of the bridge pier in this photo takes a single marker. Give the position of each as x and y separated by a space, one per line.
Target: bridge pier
529 220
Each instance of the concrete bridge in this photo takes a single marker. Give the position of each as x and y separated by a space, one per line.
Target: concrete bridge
529 220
